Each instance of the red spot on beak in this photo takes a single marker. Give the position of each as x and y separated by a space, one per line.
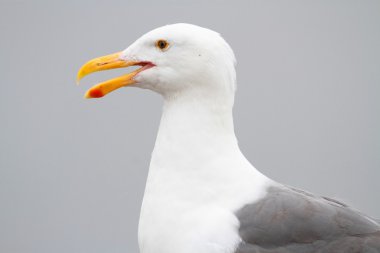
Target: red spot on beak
95 93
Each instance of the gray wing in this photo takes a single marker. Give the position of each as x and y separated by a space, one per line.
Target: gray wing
288 220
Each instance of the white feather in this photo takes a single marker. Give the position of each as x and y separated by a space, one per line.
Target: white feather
198 177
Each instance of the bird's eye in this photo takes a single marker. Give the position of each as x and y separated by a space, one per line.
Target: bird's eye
162 44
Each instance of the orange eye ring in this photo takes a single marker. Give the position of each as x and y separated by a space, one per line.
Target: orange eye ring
162 44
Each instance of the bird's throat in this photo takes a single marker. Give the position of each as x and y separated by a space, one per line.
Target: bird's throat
194 130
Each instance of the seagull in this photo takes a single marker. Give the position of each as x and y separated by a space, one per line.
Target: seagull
202 195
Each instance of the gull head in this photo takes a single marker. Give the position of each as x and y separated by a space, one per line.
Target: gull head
173 60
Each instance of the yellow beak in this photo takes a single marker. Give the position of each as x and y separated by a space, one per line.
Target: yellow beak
111 61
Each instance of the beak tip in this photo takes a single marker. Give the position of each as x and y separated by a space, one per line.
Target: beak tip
94 93
80 75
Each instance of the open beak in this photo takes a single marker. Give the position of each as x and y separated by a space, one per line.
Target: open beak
111 61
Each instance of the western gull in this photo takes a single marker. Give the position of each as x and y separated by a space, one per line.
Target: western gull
202 195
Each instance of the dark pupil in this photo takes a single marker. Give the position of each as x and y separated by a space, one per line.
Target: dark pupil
162 44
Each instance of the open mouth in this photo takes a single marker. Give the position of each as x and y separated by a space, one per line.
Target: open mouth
145 65
111 61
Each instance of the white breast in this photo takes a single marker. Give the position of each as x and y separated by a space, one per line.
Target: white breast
189 206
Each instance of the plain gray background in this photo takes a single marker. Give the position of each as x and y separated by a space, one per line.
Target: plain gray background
72 171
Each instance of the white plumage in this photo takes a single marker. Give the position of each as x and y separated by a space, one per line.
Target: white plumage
197 177
202 195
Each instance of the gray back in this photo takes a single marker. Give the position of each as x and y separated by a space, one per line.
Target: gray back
291 220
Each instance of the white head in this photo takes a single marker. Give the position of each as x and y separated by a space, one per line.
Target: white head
176 59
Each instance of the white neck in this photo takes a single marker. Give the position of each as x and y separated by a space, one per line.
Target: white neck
196 145
197 179
190 126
